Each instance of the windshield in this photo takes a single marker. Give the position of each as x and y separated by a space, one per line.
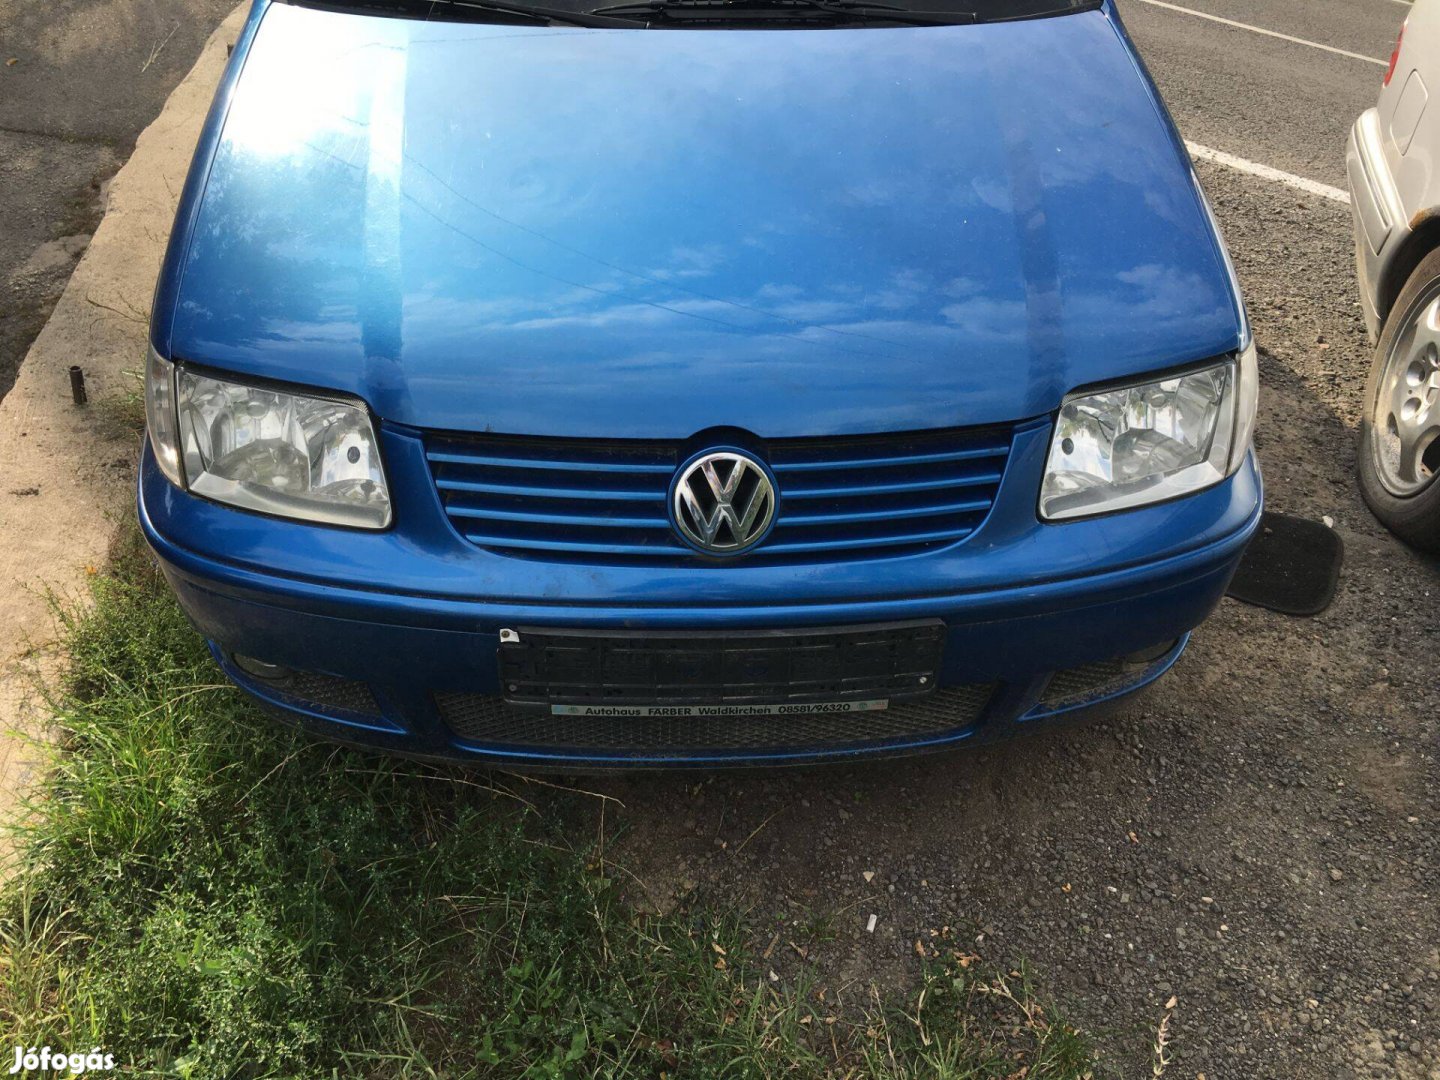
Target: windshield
713 14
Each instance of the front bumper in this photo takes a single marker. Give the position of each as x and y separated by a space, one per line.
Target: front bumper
1040 621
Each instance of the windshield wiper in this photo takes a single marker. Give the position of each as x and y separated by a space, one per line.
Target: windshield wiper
781 10
474 10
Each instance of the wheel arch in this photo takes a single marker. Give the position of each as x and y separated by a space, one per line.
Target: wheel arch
1423 239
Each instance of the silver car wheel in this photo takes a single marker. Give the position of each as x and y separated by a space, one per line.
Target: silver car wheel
1405 412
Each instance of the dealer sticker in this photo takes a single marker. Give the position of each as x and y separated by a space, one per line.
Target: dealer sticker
788 708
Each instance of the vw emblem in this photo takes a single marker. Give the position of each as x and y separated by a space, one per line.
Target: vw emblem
723 502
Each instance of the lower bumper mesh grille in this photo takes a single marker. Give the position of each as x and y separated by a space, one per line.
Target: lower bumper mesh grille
491 720
330 692
1091 680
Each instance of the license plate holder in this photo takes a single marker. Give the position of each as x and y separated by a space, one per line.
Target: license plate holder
850 669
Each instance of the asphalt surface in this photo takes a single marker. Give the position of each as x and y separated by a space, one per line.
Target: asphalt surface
1275 102
79 80
1255 838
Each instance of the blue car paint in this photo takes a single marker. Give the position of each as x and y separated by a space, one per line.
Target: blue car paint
652 233
554 232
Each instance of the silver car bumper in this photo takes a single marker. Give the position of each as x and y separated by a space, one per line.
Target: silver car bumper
1380 225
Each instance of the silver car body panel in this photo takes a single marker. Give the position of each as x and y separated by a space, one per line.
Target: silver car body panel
1393 164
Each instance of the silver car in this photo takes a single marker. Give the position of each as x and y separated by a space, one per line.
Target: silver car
1393 161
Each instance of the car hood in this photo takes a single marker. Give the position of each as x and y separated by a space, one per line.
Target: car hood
617 233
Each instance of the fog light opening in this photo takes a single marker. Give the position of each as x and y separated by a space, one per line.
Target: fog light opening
260 669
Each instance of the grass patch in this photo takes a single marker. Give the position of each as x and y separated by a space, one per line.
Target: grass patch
122 414
203 894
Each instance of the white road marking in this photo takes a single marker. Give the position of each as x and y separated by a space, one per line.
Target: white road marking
1265 172
1267 33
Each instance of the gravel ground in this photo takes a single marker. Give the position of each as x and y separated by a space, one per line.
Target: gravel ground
1255 837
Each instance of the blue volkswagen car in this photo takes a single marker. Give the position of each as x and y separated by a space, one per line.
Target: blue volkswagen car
694 382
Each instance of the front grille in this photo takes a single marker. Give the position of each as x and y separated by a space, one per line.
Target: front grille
479 718
862 497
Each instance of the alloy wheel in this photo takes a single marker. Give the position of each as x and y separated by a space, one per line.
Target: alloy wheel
1405 415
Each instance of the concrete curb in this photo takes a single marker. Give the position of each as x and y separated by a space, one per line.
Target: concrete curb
64 480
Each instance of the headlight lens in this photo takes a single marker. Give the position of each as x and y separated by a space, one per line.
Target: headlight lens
268 450
1149 442
160 416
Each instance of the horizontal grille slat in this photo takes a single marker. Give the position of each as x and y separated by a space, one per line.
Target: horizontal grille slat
534 492
912 459
445 458
538 517
851 517
936 484
843 498
898 540
660 547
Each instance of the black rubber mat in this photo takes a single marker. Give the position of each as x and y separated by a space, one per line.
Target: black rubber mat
1291 566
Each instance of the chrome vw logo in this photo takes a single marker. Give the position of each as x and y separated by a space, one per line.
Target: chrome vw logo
723 502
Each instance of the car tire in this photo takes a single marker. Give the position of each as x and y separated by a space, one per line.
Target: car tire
1399 462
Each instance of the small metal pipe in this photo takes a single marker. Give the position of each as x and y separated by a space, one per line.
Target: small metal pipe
77 385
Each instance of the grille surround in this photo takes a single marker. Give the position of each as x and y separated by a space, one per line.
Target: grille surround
487 719
608 501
